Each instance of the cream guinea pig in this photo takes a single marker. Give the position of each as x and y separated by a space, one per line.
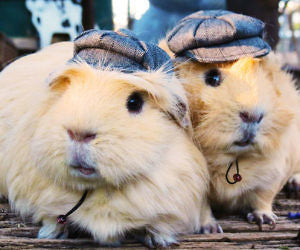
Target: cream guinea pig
243 112
69 127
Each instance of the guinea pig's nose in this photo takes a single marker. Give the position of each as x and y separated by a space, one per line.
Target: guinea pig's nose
81 136
251 117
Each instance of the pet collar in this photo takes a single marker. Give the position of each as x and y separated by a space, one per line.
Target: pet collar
62 219
236 177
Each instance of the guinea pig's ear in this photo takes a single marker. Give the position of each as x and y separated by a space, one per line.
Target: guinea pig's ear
272 66
179 112
61 78
169 95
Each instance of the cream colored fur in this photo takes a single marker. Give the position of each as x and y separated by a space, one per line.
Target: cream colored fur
248 85
149 173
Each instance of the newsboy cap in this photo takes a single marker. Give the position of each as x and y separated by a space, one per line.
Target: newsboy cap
217 36
119 50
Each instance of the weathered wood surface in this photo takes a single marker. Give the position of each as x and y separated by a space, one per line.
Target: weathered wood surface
16 233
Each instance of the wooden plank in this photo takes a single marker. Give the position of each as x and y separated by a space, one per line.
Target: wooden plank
30 232
289 204
238 227
228 245
240 237
227 241
43 243
17 234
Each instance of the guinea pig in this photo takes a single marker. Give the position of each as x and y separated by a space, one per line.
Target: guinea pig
69 127
244 110
248 111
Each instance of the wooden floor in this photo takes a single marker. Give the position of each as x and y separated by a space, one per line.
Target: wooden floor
17 234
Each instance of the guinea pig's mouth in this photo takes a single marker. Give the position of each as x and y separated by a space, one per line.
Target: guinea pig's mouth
242 143
84 170
246 141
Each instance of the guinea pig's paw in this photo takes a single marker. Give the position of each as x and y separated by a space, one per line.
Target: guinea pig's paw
211 228
52 231
262 217
209 225
155 240
293 186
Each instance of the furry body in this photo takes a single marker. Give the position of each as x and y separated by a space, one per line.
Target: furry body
252 86
141 179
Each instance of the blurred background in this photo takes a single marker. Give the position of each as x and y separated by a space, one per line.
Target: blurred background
28 25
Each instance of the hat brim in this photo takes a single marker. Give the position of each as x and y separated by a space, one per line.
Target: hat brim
232 51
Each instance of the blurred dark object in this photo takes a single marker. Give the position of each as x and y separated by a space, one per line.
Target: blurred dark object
88 14
163 15
292 215
129 17
15 19
265 10
8 51
188 6
292 69
295 71
103 14
97 12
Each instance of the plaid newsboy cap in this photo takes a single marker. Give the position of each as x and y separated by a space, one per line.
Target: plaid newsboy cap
119 50
217 36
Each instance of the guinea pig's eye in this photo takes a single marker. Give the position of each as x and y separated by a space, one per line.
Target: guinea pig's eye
213 77
135 102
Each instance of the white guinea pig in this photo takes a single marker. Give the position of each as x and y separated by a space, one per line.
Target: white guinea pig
245 113
108 132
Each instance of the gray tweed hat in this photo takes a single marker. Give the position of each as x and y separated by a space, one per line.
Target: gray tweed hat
218 36
119 50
